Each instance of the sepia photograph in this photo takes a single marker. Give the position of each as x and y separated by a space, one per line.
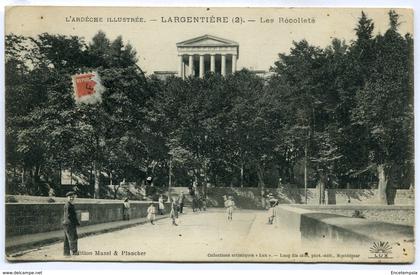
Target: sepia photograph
209 135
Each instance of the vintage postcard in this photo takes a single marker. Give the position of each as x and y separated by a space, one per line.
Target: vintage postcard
209 134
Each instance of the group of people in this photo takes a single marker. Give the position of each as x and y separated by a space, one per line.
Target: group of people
272 210
198 200
70 221
177 206
151 212
199 203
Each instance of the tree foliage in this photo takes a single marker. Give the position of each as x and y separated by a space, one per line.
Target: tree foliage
347 109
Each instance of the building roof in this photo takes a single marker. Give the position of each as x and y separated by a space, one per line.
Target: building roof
206 41
165 72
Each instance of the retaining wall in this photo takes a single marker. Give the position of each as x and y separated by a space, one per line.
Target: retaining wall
250 198
30 218
398 214
319 227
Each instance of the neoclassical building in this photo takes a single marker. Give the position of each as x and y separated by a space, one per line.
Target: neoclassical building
206 53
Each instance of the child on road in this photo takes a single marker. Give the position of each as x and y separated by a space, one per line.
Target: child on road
126 210
161 206
151 213
273 202
174 212
230 205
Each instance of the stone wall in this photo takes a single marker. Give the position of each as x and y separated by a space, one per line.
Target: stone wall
31 218
250 198
397 214
319 227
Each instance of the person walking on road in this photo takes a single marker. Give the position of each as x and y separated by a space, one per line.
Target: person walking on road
70 223
126 210
194 204
203 203
174 212
151 213
273 202
161 206
181 202
230 205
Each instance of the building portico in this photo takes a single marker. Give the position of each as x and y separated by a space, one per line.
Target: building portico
207 54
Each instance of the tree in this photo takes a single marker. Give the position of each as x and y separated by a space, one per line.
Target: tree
32 120
384 106
306 96
337 111
244 133
47 131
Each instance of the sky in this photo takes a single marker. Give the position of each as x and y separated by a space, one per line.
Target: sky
155 41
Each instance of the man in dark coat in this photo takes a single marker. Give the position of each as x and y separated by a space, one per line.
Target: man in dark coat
69 224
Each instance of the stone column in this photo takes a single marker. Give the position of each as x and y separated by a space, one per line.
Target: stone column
223 69
181 67
233 63
191 65
213 63
201 74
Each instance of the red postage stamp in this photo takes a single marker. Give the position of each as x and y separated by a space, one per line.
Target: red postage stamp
87 87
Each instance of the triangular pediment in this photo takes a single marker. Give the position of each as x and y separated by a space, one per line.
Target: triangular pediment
205 41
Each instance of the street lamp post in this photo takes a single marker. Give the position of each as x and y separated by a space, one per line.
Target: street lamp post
306 174
205 169
170 178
